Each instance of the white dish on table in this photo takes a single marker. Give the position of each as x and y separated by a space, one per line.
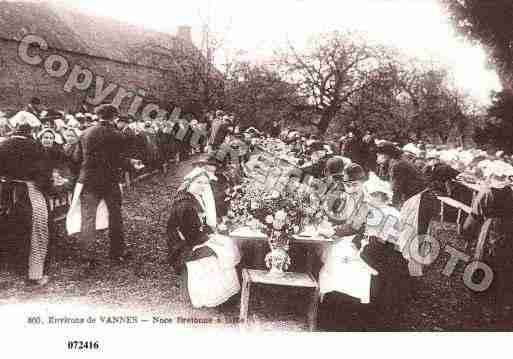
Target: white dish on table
246 232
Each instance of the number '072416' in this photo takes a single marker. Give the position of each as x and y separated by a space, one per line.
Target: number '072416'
83 345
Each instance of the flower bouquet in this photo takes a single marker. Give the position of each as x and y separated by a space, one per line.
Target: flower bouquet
279 233
277 215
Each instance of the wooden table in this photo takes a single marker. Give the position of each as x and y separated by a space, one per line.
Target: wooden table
311 241
289 279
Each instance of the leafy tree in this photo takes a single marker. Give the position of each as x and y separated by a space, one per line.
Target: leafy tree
413 99
497 131
335 67
489 22
256 94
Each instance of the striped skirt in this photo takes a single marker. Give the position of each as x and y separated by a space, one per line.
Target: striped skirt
39 232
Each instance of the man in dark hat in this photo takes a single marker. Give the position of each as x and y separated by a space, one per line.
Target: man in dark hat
387 154
409 184
347 209
407 180
439 175
134 144
101 152
354 146
219 131
369 152
333 175
34 107
317 164
274 129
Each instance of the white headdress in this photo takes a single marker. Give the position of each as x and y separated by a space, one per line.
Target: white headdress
25 117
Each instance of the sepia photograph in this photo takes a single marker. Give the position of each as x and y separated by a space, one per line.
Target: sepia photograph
336 169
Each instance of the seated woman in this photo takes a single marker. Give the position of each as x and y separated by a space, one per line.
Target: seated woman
207 260
495 202
388 289
25 167
345 278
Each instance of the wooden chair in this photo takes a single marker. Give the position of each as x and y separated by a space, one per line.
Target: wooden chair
481 252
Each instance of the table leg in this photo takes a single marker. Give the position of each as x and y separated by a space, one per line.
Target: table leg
127 180
309 260
442 215
458 221
312 310
259 260
244 300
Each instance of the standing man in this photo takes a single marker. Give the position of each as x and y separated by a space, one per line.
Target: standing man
387 155
219 131
275 129
407 180
102 158
34 107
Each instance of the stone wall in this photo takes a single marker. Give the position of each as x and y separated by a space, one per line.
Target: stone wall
19 81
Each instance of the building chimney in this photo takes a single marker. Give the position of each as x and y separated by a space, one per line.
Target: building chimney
184 33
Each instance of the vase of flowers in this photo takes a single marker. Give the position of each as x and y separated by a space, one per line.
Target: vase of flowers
279 231
278 261
277 214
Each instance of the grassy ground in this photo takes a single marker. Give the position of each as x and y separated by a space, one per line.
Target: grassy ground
146 286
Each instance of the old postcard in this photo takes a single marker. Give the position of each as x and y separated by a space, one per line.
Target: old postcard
173 169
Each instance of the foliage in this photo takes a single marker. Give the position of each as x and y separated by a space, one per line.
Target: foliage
489 23
334 68
498 129
256 94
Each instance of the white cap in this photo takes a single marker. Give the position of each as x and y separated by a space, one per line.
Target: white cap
499 168
375 184
432 154
57 136
72 122
466 157
59 123
411 148
448 156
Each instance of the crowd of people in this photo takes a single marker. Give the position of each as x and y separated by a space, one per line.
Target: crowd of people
86 153
400 181
46 153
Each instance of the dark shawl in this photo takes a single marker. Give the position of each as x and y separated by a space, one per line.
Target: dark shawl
186 228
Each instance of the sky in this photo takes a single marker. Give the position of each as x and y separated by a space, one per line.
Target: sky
417 27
